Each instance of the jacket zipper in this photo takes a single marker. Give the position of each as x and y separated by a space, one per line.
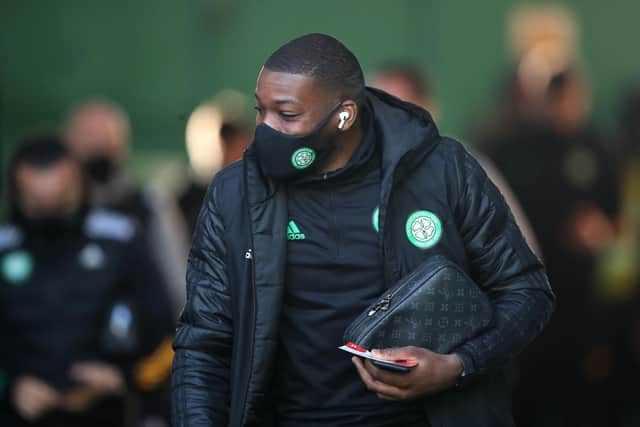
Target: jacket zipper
250 257
386 301
384 207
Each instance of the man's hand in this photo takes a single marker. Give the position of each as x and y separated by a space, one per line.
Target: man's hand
80 399
96 380
589 230
434 372
98 375
32 397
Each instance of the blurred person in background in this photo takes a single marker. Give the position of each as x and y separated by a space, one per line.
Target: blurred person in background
564 177
217 133
79 302
543 41
408 83
618 266
345 168
514 109
99 134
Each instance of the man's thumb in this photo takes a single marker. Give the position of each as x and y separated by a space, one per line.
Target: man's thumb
388 353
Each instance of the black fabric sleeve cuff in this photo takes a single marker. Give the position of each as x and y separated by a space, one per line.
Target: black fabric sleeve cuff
468 369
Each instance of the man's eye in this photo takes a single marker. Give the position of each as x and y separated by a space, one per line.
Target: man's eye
258 109
287 115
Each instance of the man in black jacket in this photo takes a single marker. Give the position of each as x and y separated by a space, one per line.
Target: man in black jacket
344 191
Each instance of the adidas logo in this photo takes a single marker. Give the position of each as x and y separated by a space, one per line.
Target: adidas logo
293 232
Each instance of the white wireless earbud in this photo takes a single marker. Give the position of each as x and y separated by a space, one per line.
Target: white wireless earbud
344 116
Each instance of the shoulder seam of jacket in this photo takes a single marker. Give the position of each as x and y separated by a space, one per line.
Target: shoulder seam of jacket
105 224
10 236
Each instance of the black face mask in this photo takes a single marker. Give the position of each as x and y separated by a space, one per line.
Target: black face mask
283 156
101 168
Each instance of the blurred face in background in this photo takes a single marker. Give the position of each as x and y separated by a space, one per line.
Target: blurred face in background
406 88
50 192
234 141
569 106
98 134
217 134
397 85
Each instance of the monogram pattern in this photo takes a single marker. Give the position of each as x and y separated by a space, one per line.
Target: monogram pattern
437 307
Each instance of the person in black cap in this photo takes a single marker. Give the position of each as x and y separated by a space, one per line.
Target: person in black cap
344 191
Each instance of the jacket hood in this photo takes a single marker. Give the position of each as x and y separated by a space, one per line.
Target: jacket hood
402 128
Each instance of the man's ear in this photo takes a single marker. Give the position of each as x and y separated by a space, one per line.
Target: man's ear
347 115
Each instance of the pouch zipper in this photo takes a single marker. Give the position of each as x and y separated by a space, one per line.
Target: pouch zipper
384 303
381 305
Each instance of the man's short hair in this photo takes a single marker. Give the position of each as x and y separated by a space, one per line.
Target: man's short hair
40 151
325 59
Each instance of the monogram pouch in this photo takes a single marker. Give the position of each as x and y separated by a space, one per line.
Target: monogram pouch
437 306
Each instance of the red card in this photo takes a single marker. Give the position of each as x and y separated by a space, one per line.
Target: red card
354 348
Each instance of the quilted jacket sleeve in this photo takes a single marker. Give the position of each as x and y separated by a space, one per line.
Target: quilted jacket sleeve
504 266
200 379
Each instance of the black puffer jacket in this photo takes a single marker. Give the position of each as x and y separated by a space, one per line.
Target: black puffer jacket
227 335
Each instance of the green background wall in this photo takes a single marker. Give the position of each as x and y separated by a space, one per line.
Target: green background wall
159 58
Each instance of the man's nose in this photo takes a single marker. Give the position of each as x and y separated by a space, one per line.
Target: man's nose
269 121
